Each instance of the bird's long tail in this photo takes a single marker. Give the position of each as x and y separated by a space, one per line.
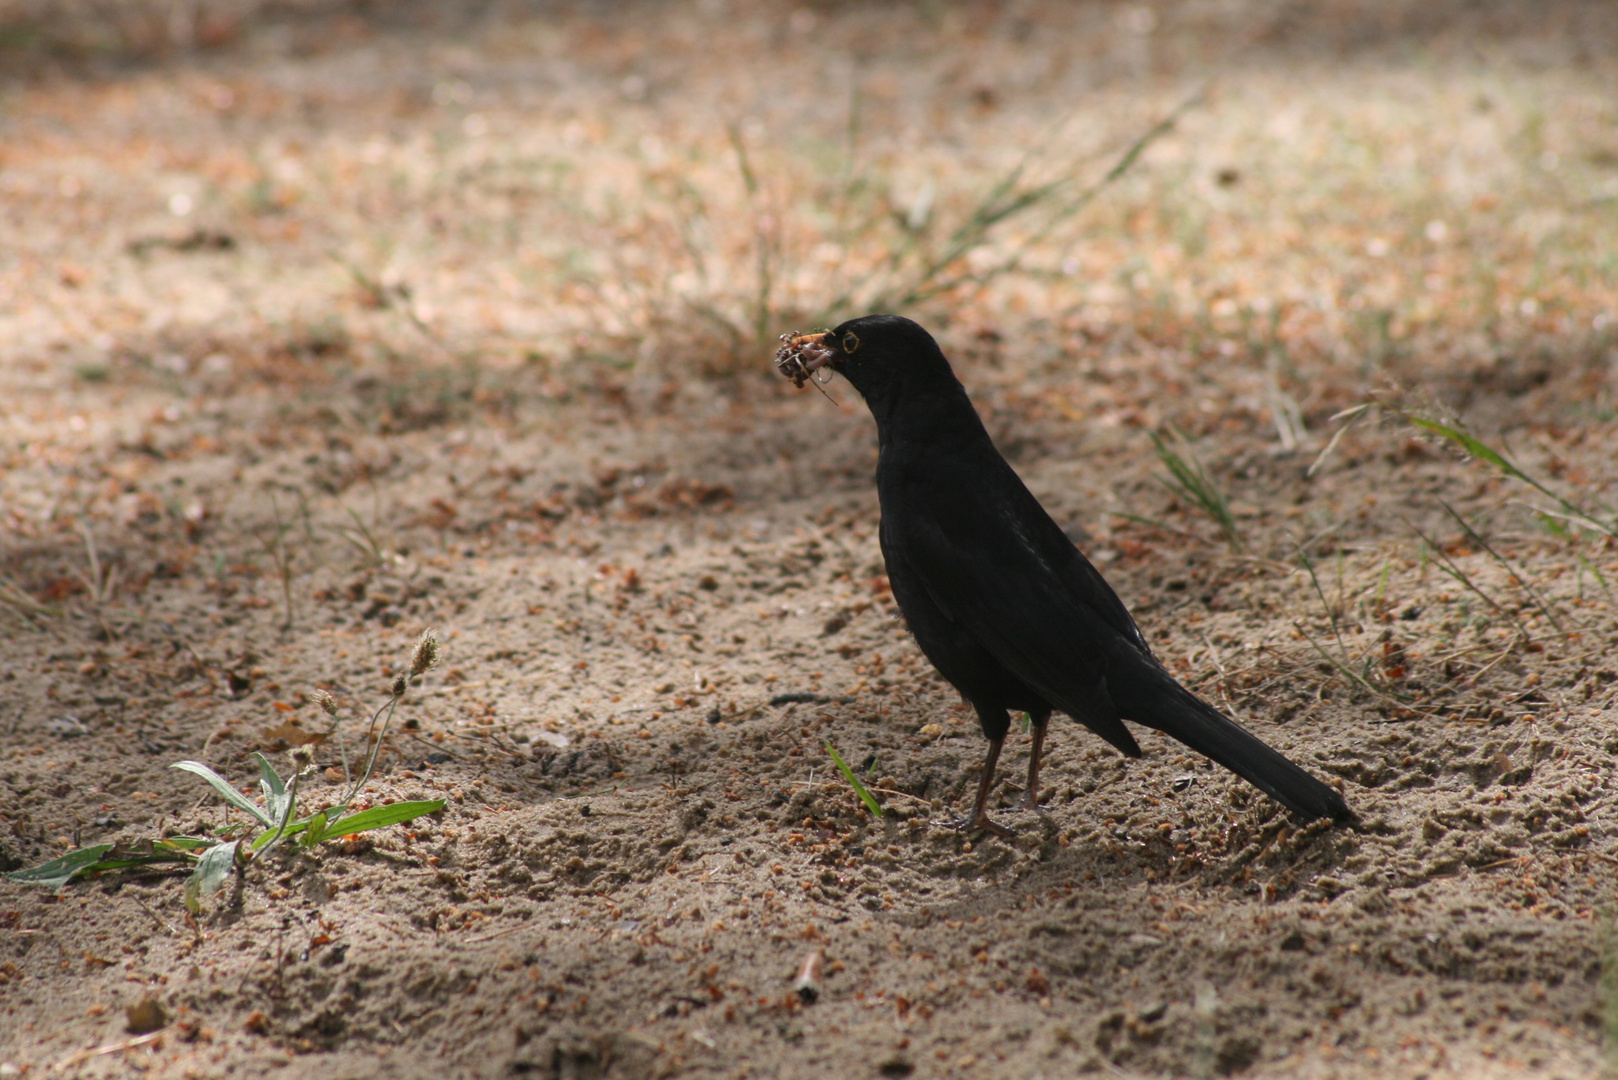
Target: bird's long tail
1186 717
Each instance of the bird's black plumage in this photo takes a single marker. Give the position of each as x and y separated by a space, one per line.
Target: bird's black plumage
997 596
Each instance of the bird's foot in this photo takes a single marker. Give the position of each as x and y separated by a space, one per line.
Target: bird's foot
1028 802
981 821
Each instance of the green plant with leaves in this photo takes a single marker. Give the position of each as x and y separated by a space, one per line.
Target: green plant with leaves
271 821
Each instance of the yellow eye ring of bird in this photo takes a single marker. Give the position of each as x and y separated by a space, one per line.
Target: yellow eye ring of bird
851 342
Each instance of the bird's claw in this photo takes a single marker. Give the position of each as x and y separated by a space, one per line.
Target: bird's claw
984 822
1028 802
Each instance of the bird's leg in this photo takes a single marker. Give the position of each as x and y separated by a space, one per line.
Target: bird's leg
980 815
1030 797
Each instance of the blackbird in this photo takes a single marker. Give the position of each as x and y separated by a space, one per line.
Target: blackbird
1000 600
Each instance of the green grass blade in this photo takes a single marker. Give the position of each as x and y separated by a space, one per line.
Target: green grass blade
173 858
369 547
186 843
859 789
1486 454
380 816
226 792
1599 576
63 869
1191 482
1448 566
1469 444
743 164
1154 523
1518 578
1309 565
1549 523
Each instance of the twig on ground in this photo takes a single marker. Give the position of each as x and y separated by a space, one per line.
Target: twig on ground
81 1056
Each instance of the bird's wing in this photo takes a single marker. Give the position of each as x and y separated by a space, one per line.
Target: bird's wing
1002 497
1085 583
985 563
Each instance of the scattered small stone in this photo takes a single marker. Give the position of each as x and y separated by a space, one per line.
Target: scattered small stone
145 1015
68 727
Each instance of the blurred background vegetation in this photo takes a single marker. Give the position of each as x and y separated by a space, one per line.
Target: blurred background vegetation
1362 190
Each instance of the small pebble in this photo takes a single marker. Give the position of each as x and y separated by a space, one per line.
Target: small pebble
145 1015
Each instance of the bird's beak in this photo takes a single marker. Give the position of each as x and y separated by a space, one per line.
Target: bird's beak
801 355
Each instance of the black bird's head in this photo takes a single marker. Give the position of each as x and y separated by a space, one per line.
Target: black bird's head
886 357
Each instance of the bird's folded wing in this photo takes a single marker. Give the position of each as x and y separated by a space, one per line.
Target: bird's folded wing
1006 506
985 573
1084 582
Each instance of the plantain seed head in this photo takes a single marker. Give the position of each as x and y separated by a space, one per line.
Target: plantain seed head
426 654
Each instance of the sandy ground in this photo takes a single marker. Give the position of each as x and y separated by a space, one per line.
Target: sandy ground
295 366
